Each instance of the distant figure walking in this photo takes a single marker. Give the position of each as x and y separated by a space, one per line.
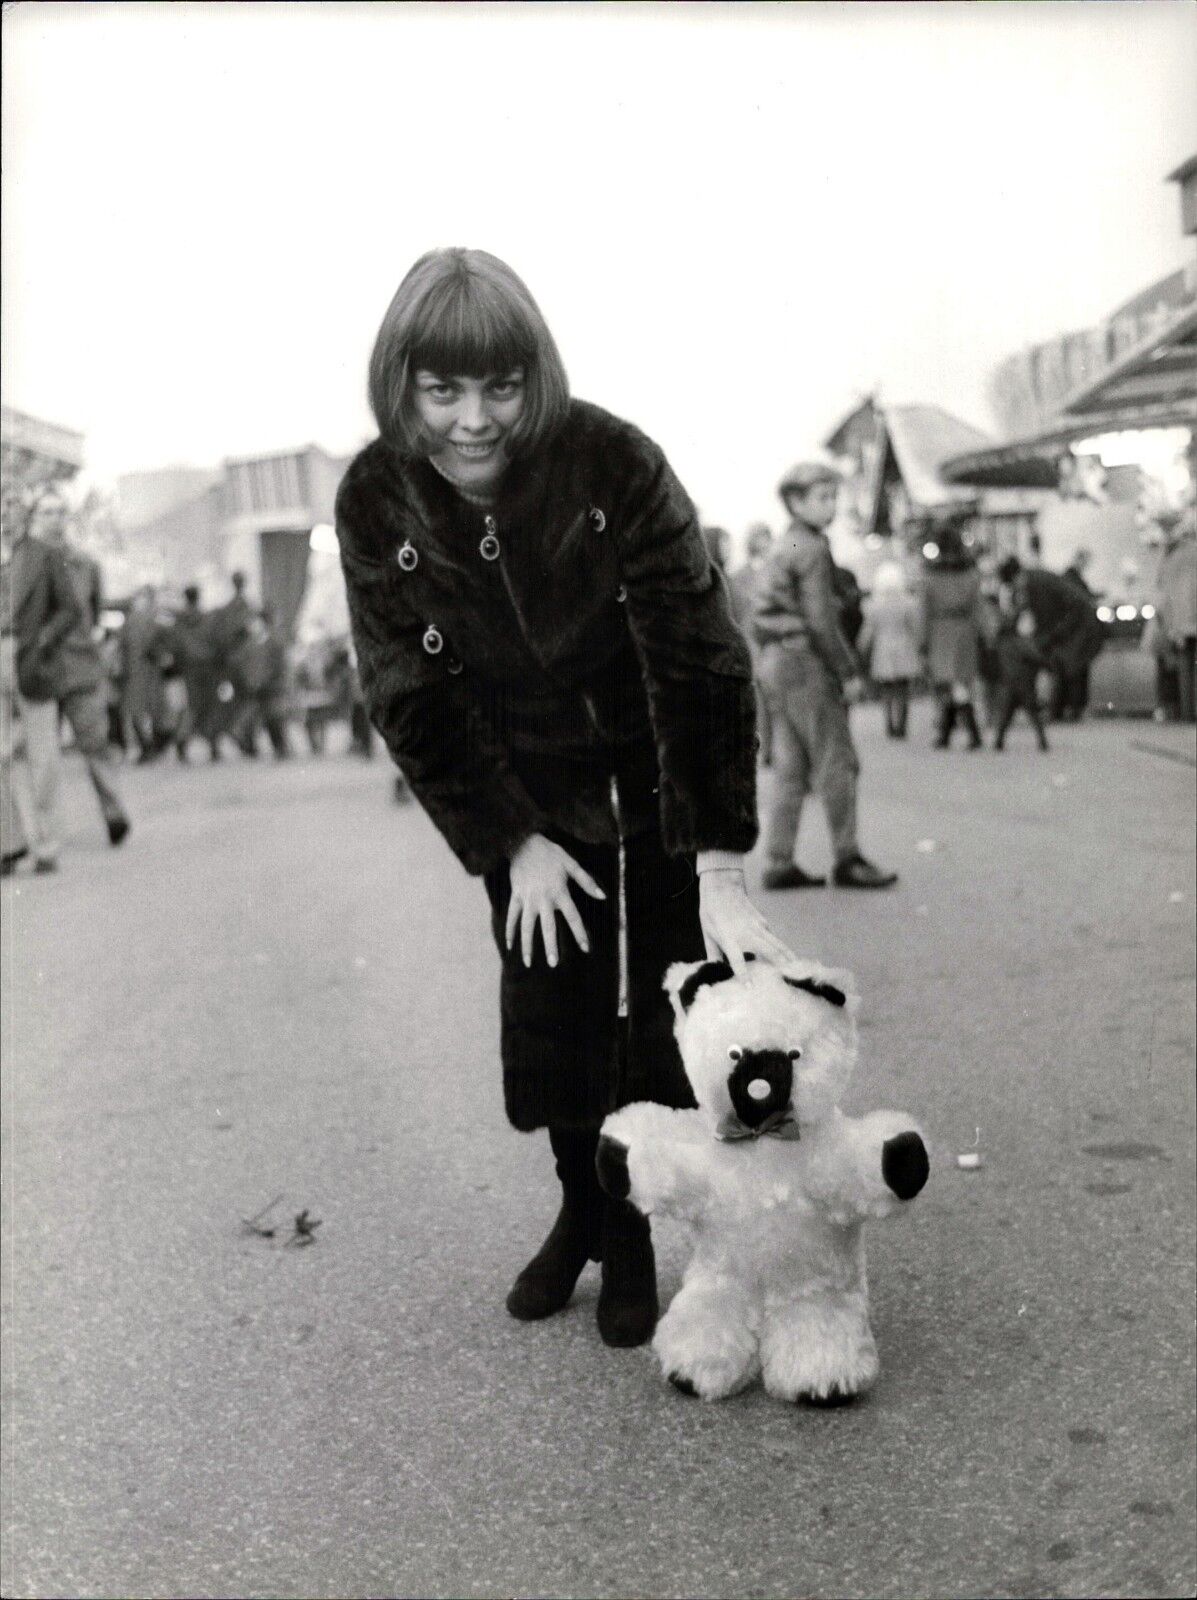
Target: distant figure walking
58 669
951 634
264 688
229 629
191 647
142 644
743 584
1019 661
809 673
1066 627
1073 694
889 643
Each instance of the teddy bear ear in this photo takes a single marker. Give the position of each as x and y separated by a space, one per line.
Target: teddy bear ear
832 984
685 978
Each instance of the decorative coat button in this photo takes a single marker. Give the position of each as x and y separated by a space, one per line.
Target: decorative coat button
597 520
407 557
453 665
621 594
433 641
489 547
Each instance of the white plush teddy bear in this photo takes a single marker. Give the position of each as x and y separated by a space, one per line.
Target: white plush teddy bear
773 1179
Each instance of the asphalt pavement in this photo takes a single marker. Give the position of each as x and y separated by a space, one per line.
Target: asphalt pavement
281 989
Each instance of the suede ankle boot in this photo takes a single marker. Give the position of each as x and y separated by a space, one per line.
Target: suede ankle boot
547 1282
627 1305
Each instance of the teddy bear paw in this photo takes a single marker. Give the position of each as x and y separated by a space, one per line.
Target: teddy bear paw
835 1396
904 1164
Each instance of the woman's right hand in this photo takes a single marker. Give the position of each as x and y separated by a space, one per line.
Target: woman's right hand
540 874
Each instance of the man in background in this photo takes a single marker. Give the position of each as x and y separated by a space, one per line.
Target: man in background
1066 630
55 618
191 647
810 674
230 630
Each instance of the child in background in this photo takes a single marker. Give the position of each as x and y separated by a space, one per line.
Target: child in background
889 642
1019 661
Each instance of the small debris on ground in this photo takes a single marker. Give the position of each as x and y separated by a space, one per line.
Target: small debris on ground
305 1228
927 845
254 1224
972 1159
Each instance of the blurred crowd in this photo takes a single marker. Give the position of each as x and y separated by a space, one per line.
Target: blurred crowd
161 677
141 681
179 676
984 636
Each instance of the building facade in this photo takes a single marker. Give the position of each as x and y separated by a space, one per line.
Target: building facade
254 514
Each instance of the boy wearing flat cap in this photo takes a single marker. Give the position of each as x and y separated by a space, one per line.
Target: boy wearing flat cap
809 675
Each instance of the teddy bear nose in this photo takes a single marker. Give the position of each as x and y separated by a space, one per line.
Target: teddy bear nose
760 1084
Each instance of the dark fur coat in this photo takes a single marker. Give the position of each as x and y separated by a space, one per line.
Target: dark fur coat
597 644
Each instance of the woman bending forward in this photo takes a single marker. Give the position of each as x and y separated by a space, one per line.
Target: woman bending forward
550 658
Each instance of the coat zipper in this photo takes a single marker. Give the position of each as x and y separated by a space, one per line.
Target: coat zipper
492 528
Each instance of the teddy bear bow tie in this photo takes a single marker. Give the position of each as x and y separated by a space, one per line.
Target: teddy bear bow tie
777 1125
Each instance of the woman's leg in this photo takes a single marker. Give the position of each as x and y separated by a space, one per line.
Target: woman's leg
559 1048
547 1282
661 901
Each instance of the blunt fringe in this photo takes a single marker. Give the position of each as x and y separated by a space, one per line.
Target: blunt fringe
464 313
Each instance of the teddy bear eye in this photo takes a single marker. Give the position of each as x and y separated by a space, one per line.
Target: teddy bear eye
794 1054
734 1053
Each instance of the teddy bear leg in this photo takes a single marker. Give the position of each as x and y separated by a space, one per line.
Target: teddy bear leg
818 1349
707 1341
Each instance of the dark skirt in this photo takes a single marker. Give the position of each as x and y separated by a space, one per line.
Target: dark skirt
568 1057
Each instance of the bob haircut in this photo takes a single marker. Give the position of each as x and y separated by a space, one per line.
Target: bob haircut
464 313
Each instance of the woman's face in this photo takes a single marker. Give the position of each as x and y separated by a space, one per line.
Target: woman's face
470 421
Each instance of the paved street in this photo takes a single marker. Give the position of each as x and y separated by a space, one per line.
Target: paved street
283 986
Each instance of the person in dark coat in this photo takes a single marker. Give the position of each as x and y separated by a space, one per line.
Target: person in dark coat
193 651
951 602
264 688
143 649
1018 661
50 615
1066 627
82 678
230 627
549 656
1073 700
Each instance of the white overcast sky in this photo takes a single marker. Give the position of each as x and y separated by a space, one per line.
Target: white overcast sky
737 218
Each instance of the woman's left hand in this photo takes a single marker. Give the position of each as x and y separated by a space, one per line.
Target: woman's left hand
732 926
